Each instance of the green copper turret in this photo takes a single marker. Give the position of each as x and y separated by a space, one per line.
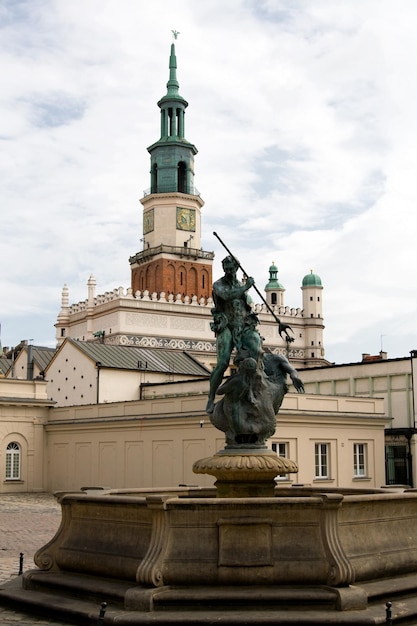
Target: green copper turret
273 279
172 156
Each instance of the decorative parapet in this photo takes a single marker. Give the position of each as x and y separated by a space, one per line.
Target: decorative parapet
190 190
185 253
120 293
144 296
278 310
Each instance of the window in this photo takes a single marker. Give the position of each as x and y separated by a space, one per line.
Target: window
397 463
181 177
281 449
321 454
359 460
13 461
273 298
154 179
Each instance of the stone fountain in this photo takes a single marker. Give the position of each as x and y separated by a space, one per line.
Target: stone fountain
244 551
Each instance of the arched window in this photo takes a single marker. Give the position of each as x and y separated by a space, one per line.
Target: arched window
13 461
273 298
182 177
154 179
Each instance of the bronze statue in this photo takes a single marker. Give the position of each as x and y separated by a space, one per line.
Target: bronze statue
233 323
252 397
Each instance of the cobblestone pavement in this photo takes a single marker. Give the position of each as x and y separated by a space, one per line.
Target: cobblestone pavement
27 522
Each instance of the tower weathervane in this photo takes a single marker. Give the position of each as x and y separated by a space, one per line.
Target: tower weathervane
175 33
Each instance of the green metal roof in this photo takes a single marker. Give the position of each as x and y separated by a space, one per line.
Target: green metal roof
5 365
42 356
312 280
150 359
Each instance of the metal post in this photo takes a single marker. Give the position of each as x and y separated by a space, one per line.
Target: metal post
103 608
21 563
388 618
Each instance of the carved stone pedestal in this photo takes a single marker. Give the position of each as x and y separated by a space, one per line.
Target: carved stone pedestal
245 473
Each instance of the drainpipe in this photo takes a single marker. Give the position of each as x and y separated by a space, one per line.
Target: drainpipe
29 369
98 365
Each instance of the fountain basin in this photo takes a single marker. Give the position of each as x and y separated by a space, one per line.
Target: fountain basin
188 548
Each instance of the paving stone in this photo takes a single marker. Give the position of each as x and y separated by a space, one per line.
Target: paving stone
27 522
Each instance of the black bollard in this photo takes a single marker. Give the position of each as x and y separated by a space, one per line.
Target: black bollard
388 614
21 564
100 620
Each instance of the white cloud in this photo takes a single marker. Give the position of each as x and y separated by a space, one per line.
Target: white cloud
304 118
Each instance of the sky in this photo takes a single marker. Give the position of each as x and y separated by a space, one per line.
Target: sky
304 116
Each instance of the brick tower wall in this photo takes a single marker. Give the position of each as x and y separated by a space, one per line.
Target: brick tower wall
174 276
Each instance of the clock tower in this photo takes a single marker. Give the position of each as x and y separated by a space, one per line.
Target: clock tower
171 259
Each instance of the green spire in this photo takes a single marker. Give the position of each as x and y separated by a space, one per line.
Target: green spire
172 85
273 279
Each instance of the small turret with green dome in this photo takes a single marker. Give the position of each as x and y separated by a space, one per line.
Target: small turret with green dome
312 280
273 282
312 290
273 289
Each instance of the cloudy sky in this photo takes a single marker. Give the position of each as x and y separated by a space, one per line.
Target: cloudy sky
304 113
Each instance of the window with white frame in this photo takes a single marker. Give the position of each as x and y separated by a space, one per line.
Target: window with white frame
281 448
322 460
13 458
359 460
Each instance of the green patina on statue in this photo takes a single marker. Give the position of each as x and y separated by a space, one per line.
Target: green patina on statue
252 397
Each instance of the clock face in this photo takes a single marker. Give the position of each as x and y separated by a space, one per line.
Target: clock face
186 219
148 221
